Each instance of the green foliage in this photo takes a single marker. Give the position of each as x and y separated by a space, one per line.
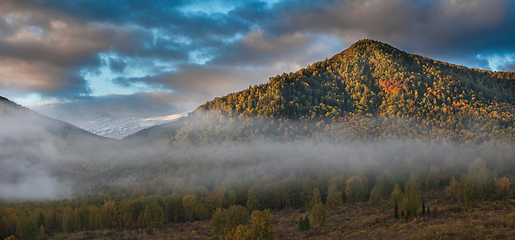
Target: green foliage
154 215
477 185
30 228
334 197
304 223
226 221
375 197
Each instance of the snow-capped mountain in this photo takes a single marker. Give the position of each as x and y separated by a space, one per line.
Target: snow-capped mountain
117 127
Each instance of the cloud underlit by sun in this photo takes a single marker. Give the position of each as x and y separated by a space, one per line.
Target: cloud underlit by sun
84 51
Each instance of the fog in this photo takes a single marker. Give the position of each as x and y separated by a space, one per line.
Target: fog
34 150
26 180
41 158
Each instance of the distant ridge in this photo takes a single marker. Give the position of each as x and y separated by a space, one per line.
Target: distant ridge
13 113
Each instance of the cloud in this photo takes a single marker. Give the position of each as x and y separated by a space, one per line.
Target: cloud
146 104
33 182
451 30
211 48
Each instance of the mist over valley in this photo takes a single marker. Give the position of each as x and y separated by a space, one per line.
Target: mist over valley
366 124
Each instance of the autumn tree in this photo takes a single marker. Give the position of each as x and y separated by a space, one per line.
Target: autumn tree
154 215
433 178
190 204
334 197
375 196
396 196
316 198
225 221
252 199
384 182
318 215
307 190
106 214
453 189
262 227
502 186
483 181
41 232
411 198
354 189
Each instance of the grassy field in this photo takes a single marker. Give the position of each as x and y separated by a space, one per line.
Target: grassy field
448 219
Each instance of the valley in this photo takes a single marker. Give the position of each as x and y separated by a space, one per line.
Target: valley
346 141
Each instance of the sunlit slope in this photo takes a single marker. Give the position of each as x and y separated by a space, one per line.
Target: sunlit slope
369 91
373 78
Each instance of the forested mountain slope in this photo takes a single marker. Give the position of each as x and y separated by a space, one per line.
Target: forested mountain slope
374 78
371 124
369 89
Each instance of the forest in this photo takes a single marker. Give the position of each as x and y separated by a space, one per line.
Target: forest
373 140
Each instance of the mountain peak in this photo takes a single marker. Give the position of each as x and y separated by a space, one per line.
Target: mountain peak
374 78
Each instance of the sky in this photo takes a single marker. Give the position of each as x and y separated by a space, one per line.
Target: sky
156 58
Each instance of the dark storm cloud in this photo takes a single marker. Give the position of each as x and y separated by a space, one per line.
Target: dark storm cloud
451 30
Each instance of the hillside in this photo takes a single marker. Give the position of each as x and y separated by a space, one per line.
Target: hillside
367 90
37 153
373 78
372 134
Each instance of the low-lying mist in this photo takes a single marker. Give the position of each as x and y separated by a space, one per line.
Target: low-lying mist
206 149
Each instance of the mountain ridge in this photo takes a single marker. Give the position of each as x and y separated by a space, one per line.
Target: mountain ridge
371 77
368 85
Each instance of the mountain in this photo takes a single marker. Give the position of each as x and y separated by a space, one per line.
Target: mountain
117 127
374 78
37 153
374 85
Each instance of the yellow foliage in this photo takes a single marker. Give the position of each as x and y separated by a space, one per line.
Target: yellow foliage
502 185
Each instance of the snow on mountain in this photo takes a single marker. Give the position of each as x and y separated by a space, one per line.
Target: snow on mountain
117 127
